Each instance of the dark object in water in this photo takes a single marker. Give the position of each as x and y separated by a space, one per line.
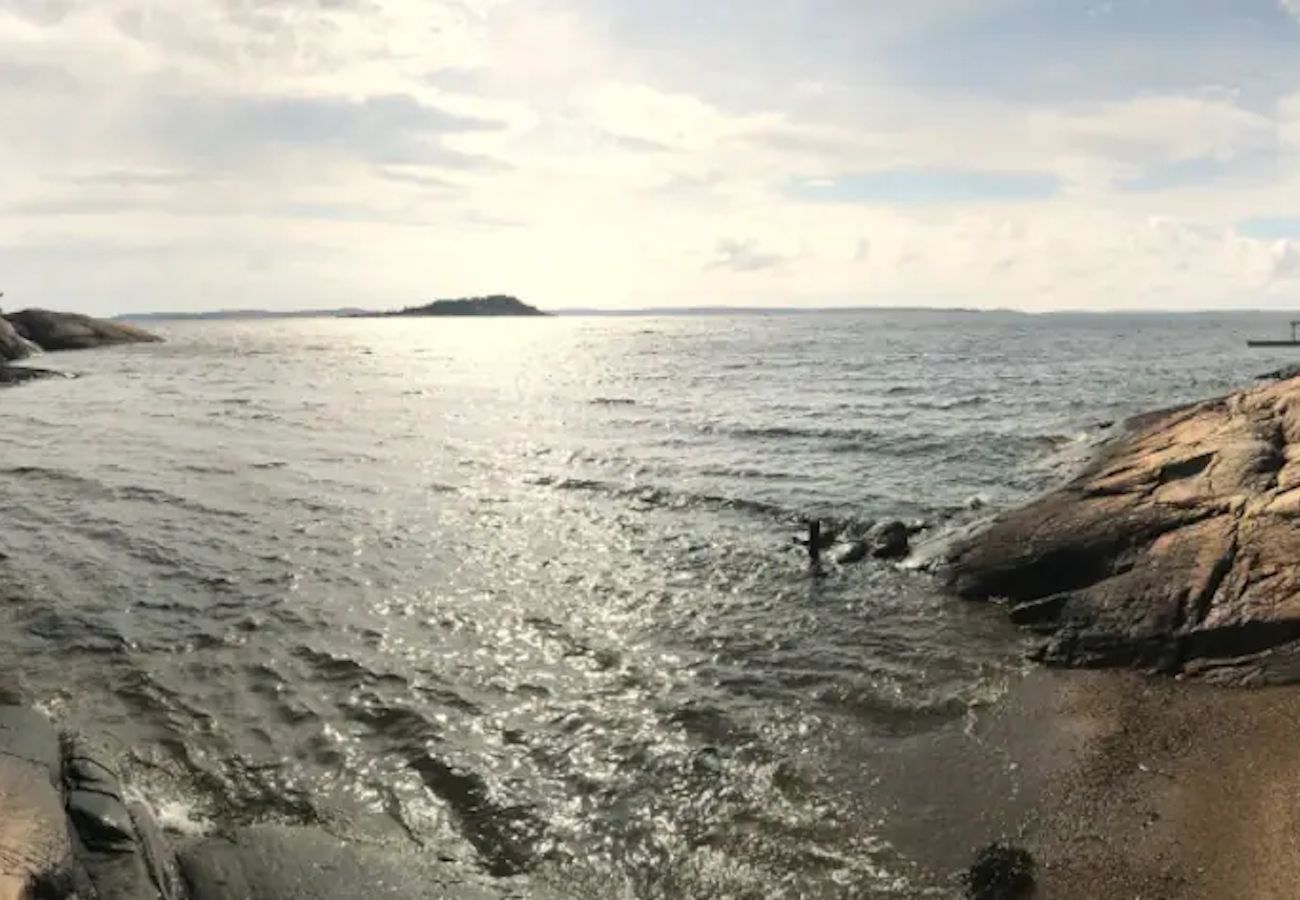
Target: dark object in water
1000 872
889 540
816 541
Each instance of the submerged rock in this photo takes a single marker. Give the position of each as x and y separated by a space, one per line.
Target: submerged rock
1177 546
10 375
73 331
308 864
1000 872
67 834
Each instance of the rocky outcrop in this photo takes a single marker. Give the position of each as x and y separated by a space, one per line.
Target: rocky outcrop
72 331
69 830
12 344
1178 549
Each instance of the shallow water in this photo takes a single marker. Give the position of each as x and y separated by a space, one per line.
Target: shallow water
523 593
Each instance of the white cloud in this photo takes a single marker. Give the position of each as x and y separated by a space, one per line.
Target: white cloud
343 149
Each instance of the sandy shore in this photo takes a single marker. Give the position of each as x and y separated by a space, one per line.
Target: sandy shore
1121 785
1147 787
1178 790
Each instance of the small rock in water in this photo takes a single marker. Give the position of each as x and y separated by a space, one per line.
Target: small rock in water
1281 374
851 553
1000 872
889 540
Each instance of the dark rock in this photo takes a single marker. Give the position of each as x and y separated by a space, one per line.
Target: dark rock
102 822
156 854
854 552
1282 374
505 836
1179 544
22 374
889 540
144 869
1000 872
273 863
73 331
85 774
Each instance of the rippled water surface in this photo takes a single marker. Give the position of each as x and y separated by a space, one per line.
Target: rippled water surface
523 593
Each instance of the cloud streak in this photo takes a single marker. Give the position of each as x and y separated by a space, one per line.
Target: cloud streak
991 151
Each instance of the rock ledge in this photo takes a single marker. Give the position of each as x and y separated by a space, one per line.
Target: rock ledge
1178 549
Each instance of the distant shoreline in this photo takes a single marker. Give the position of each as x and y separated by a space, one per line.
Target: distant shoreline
693 311
577 313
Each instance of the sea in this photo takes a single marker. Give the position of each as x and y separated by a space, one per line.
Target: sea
524 594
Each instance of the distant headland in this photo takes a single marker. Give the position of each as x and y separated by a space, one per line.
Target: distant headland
495 305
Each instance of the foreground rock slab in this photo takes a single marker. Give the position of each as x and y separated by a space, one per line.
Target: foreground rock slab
1178 549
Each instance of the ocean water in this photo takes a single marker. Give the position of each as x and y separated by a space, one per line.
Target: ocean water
523 594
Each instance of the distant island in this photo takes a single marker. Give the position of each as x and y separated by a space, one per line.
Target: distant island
495 305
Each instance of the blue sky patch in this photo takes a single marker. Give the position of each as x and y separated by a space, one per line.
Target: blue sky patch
922 187
1270 227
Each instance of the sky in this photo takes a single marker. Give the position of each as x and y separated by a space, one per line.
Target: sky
1030 154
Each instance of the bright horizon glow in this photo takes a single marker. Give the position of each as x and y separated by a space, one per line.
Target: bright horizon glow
1087 155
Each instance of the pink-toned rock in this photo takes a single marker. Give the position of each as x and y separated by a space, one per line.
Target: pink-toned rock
1177 549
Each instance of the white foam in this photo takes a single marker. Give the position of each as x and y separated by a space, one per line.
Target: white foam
176 815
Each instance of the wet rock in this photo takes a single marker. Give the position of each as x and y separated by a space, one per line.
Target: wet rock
73 331
86 774
1178 544
853 552
12 345
1282 374
102 822
1000 872
23 374
27 735
276 863
889 540
156 856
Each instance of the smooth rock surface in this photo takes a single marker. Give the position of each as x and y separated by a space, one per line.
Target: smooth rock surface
280 863
73 331
1179 545
102 822
29 736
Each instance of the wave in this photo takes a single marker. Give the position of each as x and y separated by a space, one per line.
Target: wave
663 498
